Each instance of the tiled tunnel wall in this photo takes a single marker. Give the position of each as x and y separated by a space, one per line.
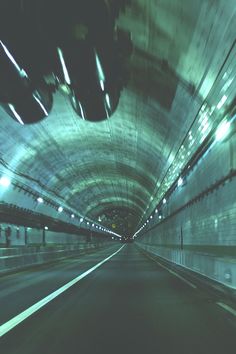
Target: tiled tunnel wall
27 247
199 219
21 236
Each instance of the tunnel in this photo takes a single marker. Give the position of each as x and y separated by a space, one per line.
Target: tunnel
118 176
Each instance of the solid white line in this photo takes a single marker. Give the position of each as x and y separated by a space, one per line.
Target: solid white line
173 273
9 325
227 308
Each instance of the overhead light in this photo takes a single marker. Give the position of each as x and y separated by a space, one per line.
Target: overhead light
108 101
87 223
82 111
16 115
99 68
60 209
164 201
223 130
81 219
41 105
72 216
160 216
64 68
65 88
102 85
40 200
45 228
156 211
5 181
180 181
222 101
21 71
92 225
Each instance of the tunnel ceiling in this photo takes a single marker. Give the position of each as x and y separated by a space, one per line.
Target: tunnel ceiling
169 104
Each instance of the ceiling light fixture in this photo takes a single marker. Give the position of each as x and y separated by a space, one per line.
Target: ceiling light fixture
180 181
5 181
222 102
223 130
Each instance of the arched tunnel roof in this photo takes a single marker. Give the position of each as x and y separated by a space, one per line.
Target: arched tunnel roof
130 160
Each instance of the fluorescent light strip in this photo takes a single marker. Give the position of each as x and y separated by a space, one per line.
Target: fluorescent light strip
102 85
21 71
9 325
41 105
108 101
16 114
10 57
99 67
222 102
64 68
81 109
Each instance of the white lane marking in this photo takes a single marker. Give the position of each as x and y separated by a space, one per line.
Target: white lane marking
9 325
227 308
172 272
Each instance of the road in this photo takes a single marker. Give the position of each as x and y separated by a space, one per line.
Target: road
127 305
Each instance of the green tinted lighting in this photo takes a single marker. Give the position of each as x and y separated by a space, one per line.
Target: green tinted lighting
222 131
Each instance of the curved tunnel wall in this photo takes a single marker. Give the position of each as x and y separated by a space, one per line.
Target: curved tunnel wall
198 224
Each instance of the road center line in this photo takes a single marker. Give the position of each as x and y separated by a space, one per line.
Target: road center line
9 325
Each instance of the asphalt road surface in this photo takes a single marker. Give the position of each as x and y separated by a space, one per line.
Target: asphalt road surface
127 305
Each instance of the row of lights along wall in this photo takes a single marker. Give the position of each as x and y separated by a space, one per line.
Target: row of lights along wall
220 134
5 182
